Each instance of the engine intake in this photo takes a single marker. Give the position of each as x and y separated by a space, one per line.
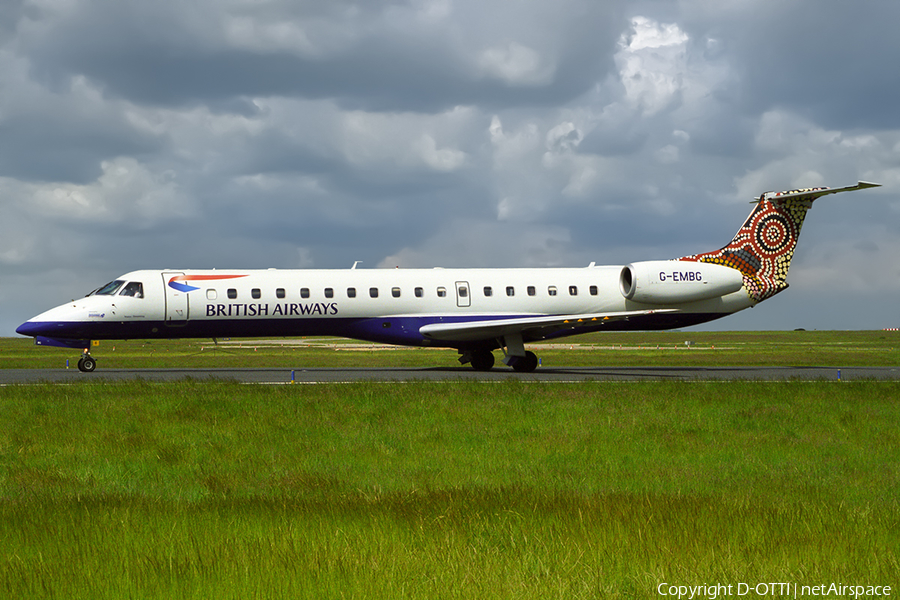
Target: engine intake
677 281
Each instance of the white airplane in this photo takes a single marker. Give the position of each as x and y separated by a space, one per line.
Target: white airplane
472 310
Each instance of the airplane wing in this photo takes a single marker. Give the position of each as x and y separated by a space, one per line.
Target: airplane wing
471 331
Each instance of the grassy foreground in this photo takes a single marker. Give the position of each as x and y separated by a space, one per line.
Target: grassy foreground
445 490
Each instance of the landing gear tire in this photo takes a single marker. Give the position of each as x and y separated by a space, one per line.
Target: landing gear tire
525 364
483 360
86 364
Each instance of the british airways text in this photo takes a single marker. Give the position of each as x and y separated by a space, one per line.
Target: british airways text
680 276
286 309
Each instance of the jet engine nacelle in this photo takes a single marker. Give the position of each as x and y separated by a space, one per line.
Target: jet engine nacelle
677 281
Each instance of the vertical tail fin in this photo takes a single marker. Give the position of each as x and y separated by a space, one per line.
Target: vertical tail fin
764 245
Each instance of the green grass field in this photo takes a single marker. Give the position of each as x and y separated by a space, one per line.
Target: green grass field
450 490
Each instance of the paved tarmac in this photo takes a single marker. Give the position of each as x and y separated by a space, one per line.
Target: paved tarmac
559 374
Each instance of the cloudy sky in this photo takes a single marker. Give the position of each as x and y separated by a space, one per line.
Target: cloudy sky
419 133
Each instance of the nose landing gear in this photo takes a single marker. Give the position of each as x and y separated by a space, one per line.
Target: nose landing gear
86 363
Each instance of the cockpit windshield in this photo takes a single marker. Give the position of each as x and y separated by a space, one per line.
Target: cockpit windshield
109 289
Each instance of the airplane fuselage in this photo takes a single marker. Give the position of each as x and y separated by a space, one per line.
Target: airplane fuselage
379 305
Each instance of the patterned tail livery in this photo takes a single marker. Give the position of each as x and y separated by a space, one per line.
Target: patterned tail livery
764 245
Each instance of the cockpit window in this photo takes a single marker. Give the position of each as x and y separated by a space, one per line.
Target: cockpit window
110 288
134 289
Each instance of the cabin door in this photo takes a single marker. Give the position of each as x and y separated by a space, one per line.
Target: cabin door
176 299
463 294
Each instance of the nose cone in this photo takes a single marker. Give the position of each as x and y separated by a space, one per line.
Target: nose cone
32 329
38 328
48 334
65 321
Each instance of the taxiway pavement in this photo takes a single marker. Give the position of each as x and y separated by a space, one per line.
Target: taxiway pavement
557 374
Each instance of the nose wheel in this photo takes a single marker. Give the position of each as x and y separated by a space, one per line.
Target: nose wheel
86 363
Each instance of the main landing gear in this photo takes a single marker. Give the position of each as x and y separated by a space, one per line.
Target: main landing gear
483 360
515 355
524 364
87 363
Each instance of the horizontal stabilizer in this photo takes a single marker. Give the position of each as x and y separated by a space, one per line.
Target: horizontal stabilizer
813 193
473 331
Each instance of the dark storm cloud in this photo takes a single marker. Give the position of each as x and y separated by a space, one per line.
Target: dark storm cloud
621 137
824 60
724 132
150 56
11 11
57 147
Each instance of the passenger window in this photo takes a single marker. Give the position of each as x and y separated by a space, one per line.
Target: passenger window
255 294
373 292
211 294
419 292
329 292
395 292
232 293
551 290
304 292
510 291
441 292
573 290
593 290
531 290
135 289
279 293
488 292
351 292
